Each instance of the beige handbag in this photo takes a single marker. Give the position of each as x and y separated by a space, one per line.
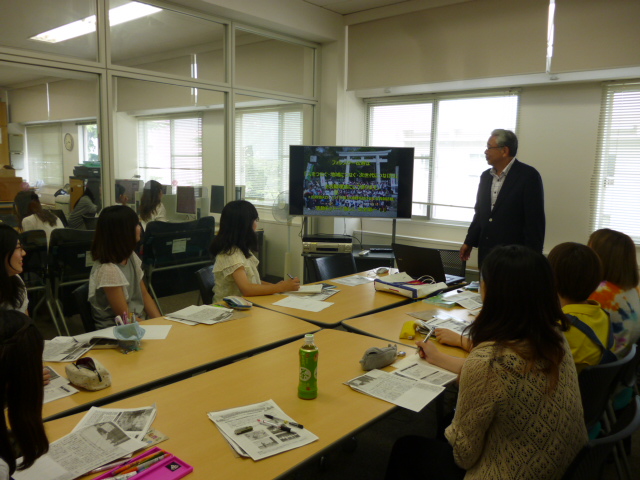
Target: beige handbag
89 374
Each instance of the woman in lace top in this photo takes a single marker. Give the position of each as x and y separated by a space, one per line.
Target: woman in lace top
236 268
519 412
115 284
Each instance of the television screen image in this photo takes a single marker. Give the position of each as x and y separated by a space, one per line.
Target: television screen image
351 181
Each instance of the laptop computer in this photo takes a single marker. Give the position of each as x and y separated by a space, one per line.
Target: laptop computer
419 261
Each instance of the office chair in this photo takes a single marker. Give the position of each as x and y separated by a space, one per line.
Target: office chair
10 219
34 269
333 266
81 298
206 282
70 263
590 461
60 214
170 246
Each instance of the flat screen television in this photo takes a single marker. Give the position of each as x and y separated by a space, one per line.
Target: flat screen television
351 181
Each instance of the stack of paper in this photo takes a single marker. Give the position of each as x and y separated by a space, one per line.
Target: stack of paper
206 314
260 430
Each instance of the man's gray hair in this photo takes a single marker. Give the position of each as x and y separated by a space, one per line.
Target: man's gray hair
506 138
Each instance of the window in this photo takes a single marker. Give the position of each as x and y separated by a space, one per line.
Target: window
44 154
89 144
263 137
449 135
170 150
615 185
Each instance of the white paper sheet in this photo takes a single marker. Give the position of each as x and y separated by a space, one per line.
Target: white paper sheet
301 303
353 280
151 332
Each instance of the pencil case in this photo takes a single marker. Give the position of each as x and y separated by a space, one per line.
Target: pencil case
170 468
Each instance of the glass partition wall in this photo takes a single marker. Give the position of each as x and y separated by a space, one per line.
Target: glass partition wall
132 91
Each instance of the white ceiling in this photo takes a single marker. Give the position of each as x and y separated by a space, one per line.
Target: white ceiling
346 7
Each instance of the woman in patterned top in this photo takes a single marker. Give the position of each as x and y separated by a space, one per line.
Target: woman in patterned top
618 294
519 413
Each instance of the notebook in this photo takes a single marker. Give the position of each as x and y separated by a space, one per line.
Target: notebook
419 261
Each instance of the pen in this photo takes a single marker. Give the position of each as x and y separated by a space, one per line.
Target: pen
135 463
284 428
284 421
289 275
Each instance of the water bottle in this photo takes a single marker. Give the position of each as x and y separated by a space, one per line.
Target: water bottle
308 385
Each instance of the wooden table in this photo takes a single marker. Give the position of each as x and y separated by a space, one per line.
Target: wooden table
349 302
186 351
337 413
388 324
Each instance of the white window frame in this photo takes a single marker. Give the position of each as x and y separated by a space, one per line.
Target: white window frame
615 184
431 155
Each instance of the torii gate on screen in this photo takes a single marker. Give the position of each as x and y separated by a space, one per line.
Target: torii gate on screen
371 157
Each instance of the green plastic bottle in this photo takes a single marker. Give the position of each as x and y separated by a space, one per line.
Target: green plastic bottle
308 386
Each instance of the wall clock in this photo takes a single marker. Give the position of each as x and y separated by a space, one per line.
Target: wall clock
68 142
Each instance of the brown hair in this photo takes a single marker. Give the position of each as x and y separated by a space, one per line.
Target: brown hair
617 253
521 309
577 270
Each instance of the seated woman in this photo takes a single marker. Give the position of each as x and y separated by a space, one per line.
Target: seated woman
86 205
236 268
519 412
115 284
21 393
13 293
151 207
618 293
37 218
578 273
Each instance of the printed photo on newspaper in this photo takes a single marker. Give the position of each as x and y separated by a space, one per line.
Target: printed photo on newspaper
136 422
58 387
442 320
64 349
405 392
261 430
80 452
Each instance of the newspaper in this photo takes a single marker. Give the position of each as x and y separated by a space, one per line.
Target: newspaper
353 280
397 389
64 349
261 441
151 332
319 297
135 422
419 369
442 320
202 314
466 299
58 387
80 452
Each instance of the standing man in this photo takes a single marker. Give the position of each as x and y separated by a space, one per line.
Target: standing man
510 202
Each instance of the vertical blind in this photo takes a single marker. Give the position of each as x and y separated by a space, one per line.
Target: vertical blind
170 150
615 184
263 137
449 134
44 154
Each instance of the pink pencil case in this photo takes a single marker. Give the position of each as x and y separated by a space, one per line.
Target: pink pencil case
170 468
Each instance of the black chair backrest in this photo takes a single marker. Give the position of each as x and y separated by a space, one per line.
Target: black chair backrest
90 221
10 219
597 385
70 254
590 461
332 266
81 298
452 263
167 243
34 263
60 214
206 282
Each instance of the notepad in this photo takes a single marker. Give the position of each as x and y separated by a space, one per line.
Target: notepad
304 289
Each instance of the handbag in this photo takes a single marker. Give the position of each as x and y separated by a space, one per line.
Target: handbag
89 374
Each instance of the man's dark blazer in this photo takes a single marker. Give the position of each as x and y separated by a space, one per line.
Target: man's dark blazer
516 218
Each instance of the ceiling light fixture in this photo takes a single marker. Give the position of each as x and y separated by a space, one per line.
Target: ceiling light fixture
124 13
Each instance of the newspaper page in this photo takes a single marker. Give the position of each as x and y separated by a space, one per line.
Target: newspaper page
202 314
58 387
419 369
258 440
80 452
319 297
402 391
469 300
135 422
64 349
442 321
